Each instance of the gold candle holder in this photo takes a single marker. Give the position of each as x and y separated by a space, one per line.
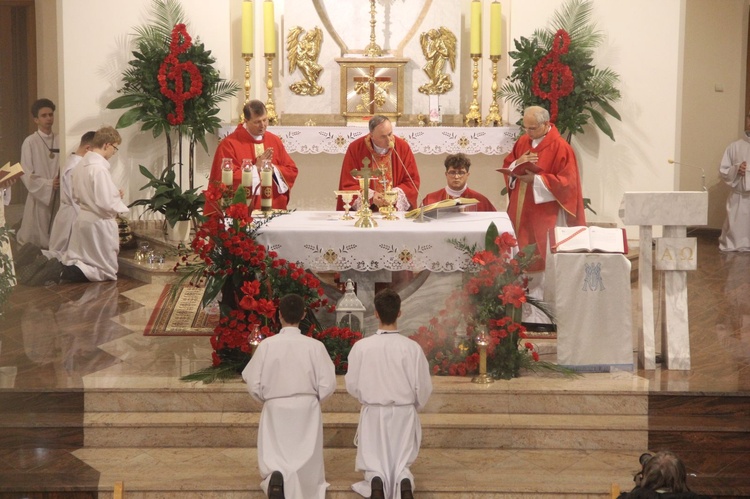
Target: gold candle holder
273 118
482 377
474 117
247 58
494 118
373 49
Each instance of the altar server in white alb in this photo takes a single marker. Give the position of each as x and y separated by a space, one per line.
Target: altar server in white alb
40 155
390 376
735 235
291 374
95 241
62 226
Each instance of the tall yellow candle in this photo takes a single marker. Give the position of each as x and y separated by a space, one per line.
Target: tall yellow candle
495 29
247 27
269 28
476 27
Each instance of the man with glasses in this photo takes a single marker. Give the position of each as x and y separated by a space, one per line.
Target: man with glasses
457 178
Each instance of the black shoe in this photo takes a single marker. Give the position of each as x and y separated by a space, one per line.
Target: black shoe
377 488
48 274
276 486
406 489
26 254
25 274
537 327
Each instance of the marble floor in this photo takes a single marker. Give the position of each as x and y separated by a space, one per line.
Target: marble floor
68 338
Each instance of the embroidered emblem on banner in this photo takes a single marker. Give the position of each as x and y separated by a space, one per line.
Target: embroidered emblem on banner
593 280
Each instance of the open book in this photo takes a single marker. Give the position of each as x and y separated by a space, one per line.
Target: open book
8 172
588 239
521 169
445 204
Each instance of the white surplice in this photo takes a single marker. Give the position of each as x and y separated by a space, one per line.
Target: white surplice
291 374
95 241
39 172
63 224
390 376
735 235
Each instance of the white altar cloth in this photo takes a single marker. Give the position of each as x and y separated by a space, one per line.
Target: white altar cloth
322 242
423 140
590 297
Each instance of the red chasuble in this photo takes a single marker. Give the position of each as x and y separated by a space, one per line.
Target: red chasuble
241 145
483 205
396 164
560 174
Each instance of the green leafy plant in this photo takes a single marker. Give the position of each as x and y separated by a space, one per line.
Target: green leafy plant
169 198
591 90
171 84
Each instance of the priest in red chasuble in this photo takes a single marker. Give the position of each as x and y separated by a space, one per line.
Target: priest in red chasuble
252 140
457 178
387 153
540 201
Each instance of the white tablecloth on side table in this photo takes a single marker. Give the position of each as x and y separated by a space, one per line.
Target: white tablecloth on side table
590 296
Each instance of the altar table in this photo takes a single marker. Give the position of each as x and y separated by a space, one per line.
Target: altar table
321 242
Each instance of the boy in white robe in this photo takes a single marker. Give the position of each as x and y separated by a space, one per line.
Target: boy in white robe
291 374
735 235
390 376
40 155
62 226
95 240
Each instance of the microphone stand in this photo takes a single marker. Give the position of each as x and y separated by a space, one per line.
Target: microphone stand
420 218
703 172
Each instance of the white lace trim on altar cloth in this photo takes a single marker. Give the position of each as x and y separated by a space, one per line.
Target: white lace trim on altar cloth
322 242
491 141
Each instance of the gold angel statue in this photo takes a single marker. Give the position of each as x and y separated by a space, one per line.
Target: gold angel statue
303 48
438 45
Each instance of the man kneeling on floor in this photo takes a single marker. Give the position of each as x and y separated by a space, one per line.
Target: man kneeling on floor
390 376
291 374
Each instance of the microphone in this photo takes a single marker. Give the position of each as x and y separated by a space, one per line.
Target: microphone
392 145
703 172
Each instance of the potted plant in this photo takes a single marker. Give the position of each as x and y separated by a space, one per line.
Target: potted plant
181 209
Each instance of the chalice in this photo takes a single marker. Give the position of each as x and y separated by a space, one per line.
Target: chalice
390 197
347 197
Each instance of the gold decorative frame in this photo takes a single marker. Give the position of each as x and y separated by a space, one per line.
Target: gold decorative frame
355 72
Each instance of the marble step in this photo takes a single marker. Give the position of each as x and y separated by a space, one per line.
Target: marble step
443 430
221 473
587 394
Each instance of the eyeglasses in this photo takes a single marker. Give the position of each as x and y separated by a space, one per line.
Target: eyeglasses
116 148
456 174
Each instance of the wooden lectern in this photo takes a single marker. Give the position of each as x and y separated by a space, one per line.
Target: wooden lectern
675 254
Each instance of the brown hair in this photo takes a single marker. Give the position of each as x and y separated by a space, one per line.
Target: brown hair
458 160
665 471
387 305
292 308
253 108
106 135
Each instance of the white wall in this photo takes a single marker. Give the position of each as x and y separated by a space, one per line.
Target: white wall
95 42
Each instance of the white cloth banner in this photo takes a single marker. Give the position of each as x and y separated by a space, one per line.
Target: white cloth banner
590 297
491 141
321 241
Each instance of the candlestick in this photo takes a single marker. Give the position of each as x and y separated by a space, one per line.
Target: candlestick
495 29
474 116
476 27
227 173
273 119
269 28
247 58
247 27
482 377
493 117
373 49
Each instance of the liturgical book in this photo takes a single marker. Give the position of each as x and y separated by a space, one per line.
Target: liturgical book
521 169
588 239
8 172
446 204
